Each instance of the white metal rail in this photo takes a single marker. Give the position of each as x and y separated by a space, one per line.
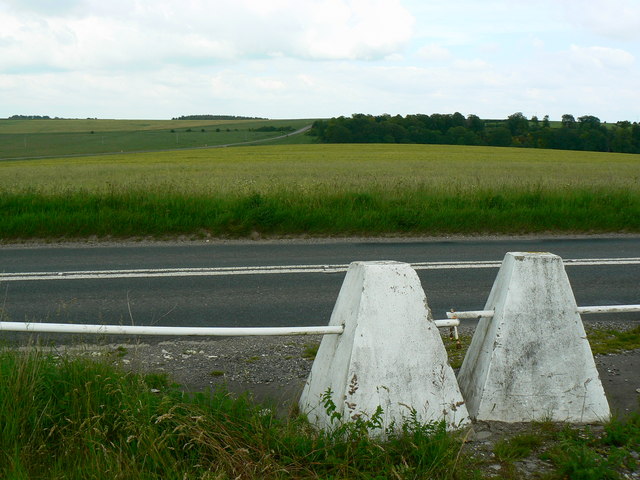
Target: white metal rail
609 309
179 331
581 310
169 331
477 314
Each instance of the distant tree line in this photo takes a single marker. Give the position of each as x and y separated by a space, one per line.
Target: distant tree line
216 117
585 133
29 117
41 117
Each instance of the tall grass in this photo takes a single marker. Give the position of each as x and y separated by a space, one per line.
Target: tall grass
78 419
75 418
137 212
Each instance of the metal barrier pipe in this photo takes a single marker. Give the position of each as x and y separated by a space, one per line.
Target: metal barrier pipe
471 314
447 323
174 331
581 310
181 331
609 309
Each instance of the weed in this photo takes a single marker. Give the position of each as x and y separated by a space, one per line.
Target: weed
456 352
310 350
121 351
517 447
217 373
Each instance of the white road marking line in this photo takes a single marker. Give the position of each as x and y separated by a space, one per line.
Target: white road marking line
272 270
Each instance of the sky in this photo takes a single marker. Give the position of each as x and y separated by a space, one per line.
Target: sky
158 59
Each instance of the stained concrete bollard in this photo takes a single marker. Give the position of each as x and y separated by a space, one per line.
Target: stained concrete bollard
532 360
390 354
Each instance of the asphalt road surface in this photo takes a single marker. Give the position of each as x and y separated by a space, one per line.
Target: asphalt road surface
280 283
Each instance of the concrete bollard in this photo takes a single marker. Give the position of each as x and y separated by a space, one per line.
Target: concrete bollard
390 354
532 360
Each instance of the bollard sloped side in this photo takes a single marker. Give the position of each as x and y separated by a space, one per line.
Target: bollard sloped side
390 355
532 360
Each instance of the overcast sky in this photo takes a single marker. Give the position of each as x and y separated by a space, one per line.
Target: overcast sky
157 59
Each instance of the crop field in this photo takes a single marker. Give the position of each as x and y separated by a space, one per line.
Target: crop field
321 190
33 138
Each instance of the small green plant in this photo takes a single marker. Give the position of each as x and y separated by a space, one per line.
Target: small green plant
217 373
120 351
456 351
626 433
310 350
517 447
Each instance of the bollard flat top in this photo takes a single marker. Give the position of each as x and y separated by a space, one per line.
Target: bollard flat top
523 255
378 262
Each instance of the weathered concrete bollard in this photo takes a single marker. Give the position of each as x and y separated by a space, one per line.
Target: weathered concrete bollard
532 360
390 354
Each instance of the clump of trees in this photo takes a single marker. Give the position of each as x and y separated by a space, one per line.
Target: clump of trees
584 133
215 117
271 128
29 117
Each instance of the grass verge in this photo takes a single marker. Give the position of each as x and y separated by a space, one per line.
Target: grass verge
75 418
288 211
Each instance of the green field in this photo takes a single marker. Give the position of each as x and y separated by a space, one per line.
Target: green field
321 190
34 138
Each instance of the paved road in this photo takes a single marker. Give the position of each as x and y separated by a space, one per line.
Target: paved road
226 284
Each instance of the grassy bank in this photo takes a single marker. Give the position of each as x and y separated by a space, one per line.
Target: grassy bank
76 418
322 190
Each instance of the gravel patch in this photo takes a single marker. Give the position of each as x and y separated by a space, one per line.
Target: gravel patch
275 368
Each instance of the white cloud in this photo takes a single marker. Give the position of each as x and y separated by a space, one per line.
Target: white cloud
475 64
146 32
619 19
306 58
57 7
362 29
600 57
434 52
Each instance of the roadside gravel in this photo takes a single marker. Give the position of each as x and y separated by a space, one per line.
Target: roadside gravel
274 369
